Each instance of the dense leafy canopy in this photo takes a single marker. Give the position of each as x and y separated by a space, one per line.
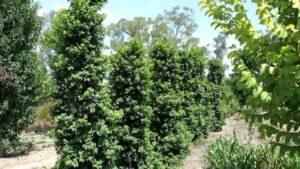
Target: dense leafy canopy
273 89
168 123
86 134
19 66
130 87
195 87
216 75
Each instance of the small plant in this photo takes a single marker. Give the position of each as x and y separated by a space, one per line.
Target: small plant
14 148
234 154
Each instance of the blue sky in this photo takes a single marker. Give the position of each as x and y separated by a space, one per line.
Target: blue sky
117 9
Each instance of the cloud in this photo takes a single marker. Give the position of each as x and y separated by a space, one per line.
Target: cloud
110 17
41 12
61 6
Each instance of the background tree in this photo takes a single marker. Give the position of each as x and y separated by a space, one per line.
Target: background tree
220 46
130 86
45 49
50 39
274 90
178 25
173 137
86 133
19 66
124 30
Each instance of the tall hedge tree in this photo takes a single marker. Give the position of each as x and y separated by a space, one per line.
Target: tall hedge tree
216 73
173 137
85 136
195 88
19 66
130 86
274 88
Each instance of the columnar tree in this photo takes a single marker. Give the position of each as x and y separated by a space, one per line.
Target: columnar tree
168 123
19 66
85 136
216 73
274 88
130 86
194 86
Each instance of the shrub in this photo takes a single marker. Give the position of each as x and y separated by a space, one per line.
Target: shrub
14 148
234 154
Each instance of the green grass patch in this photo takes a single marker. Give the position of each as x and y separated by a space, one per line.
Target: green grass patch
235 154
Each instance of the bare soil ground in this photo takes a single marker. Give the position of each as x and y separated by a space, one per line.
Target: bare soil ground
44 154
234 126
42 157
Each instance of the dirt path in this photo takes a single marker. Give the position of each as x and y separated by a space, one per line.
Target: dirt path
43 156
232 125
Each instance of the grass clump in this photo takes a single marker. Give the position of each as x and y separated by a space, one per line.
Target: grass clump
235 154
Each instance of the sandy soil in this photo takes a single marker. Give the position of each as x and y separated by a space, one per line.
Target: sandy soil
44 155
233 126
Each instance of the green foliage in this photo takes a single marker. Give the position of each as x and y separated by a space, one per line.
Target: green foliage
234 154
235 76
14 148
130 86
46 86
51 38
194 85
43 112
216 73
19 66
86 135
168 122
273 89
229 103
148 133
